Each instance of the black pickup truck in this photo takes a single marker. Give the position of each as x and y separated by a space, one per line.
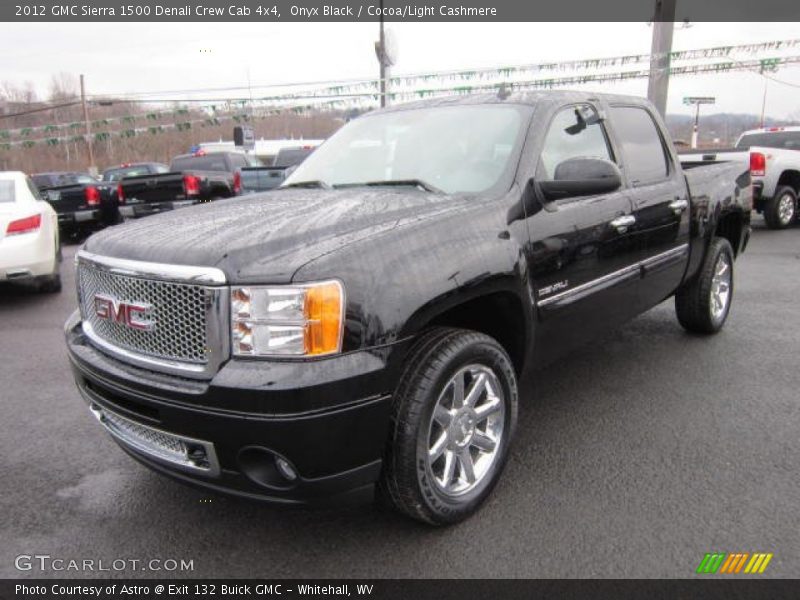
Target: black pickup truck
367 326
192 179
83 203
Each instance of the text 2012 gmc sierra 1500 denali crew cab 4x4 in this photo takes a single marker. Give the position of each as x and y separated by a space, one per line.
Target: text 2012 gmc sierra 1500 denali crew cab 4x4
365 324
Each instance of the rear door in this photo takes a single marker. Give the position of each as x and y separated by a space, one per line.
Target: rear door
580 257
660 198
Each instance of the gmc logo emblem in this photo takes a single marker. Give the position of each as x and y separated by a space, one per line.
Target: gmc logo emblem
130 314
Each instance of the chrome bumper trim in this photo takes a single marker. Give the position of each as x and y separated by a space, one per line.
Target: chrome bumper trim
150 270
186 454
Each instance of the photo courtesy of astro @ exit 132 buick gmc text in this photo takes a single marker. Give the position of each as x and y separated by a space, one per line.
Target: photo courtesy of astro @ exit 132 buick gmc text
307 300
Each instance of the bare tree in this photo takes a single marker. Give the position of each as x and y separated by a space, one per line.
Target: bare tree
63 87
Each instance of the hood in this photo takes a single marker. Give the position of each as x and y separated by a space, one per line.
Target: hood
265 238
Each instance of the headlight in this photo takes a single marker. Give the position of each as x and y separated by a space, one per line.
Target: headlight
298 320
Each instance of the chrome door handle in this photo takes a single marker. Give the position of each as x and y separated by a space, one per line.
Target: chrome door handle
622 223
679 205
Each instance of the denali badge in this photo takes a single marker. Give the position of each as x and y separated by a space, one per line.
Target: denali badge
556 287
132 314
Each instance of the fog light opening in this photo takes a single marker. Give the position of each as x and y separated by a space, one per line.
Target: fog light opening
267 468
285 469
197 455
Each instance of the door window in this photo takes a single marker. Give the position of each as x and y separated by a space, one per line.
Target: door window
645 159
576 132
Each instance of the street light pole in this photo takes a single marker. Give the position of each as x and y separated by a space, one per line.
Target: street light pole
697 101
663 27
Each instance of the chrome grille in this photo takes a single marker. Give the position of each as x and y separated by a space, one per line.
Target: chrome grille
160 443
184 453
178 313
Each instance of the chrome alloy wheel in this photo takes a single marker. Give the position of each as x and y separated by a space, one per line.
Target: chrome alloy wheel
466 430
786 209
721 287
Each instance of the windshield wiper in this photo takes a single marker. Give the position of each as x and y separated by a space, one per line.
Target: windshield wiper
309 184
408 182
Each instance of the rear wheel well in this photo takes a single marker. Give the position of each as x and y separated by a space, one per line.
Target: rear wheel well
790 178
730 227
498 315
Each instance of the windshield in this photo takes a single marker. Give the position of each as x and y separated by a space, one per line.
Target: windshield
201 162
789 140
6 190
57 179
450 148
133 171
288 157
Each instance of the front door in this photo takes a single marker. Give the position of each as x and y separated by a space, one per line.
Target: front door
581 261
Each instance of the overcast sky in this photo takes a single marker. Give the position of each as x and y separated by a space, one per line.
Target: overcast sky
129 57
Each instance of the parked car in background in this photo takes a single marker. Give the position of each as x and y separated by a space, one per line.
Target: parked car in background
367 326
83 204
291 157
191 179
774 155
262 179
132 170
29 237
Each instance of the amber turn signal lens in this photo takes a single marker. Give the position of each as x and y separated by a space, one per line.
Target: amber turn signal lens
323 310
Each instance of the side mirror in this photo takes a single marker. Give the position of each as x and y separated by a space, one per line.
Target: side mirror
582 177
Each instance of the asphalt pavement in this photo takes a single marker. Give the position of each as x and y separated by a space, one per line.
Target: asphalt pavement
634 457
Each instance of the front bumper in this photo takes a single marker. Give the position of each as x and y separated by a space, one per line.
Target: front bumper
328 419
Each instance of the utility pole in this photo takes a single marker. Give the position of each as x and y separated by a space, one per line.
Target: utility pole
92 167
386 51
381 52
663 26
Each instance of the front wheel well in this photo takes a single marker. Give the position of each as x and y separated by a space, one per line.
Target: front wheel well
499 315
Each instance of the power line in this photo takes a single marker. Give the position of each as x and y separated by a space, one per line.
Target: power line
697 53
38 110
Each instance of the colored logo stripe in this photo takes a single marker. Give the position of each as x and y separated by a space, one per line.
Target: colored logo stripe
758 563
711 563
732 563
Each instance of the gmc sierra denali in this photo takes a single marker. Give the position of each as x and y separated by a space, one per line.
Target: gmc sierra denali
364 326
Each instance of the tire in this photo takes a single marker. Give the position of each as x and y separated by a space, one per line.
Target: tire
780 211
703 305
445 490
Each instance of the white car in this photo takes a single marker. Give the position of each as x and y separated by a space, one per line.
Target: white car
29 243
